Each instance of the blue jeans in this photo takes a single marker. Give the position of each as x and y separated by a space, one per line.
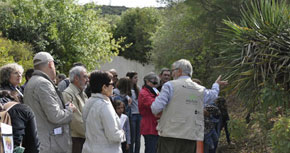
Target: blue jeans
135 133
151 143
210 141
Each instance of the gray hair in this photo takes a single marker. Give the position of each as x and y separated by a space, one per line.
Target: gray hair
184 65
75 71
151 76
6 70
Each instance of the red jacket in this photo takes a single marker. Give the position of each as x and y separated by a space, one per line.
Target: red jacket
148 121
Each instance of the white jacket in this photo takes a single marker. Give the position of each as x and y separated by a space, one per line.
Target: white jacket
102 125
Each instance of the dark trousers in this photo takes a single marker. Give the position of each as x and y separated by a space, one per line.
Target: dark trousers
151 143
223 124
77 144
135 133
124 147
175 145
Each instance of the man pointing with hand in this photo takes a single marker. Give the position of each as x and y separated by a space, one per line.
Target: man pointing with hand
181 103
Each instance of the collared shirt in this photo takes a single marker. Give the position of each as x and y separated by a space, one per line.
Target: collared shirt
167 92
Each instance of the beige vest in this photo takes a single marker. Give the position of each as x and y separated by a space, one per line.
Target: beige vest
183 116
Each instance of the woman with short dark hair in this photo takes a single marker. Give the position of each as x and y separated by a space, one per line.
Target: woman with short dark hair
104 133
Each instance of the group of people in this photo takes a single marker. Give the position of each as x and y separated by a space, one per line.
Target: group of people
97 112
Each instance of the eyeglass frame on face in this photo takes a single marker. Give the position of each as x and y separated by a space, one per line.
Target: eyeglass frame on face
16 73
153 82
111 83
173 70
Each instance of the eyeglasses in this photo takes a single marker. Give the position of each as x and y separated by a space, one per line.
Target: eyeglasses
174 70
111 83
154 82
17 73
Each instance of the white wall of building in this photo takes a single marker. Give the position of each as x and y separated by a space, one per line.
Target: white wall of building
123 66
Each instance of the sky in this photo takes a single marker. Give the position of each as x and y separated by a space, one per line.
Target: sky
127 3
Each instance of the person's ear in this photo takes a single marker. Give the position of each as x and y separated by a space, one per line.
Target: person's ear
179 71
51 64
104 88
76 78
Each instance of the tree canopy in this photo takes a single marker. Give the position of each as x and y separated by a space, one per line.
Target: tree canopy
19 52
137 25
190 30
71 33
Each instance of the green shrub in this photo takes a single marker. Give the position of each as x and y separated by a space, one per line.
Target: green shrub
13 51
238 129
280 135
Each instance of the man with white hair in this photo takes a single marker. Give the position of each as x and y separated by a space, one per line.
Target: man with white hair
181 104
52 116
75 94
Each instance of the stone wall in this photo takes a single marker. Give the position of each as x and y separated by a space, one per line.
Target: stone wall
123 66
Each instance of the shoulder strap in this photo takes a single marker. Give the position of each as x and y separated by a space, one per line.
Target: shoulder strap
67 82
9 105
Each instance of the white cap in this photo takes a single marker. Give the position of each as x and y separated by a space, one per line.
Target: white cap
42 57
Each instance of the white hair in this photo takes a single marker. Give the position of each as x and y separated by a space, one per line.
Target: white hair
75 71
184 65
151 76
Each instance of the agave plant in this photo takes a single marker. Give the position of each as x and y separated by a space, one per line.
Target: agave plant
256 52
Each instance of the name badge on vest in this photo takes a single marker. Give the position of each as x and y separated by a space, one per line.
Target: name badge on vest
192 99
57 131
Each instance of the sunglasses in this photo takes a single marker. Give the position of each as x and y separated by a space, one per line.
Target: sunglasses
111 83
154 82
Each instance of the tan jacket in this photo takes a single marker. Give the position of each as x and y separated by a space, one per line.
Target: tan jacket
183 116
41 95
78 98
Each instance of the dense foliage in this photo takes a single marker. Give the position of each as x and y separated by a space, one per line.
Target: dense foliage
112 10
19 52
280 135
71 33
137 25
256 53
189 31
178 38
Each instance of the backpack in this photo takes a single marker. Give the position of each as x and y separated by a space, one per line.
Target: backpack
5 118
67 82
